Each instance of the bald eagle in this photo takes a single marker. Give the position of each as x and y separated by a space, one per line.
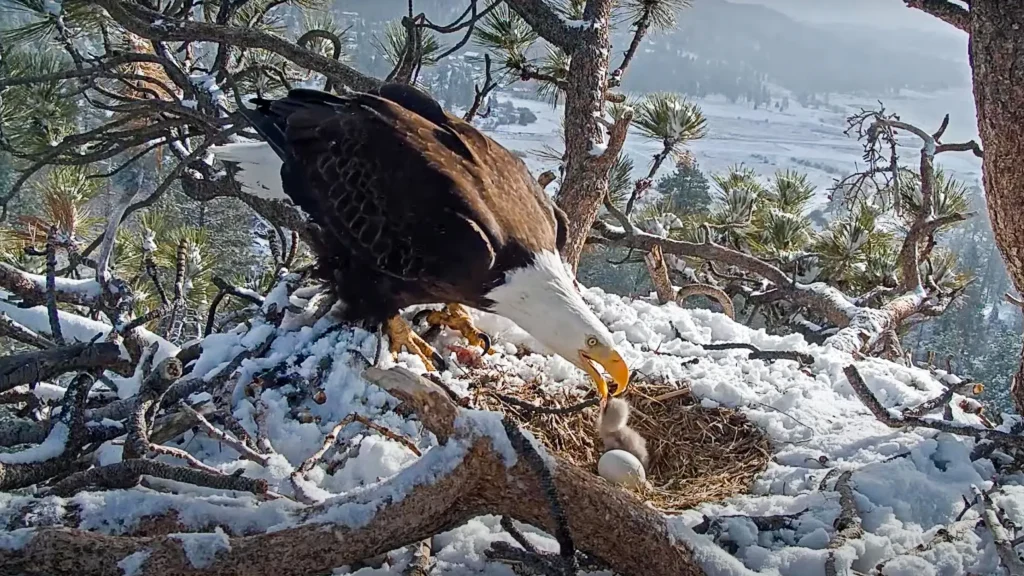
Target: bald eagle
411 205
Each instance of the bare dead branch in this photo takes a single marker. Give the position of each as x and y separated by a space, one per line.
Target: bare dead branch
21 469
51 287
23 334
1002 541
34 367
758 354
126 473
480 94
708 291
216 433
847 525
884 416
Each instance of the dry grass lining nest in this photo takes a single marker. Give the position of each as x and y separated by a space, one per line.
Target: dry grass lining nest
697 454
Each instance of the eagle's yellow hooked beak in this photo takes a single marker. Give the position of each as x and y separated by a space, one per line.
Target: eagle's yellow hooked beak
612 362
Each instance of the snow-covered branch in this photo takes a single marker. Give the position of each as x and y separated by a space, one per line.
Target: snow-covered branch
476 470
905 420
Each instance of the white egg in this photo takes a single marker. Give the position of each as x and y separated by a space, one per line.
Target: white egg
622 468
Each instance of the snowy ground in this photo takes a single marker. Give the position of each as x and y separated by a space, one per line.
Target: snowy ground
805 139
908 484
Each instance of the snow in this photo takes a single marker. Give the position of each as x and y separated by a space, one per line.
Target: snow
53 7
202 549
76 328
805 139
489 424
714 560
86 287
907 484
132 563
16 539
49 449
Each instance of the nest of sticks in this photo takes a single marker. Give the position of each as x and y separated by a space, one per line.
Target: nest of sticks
697 454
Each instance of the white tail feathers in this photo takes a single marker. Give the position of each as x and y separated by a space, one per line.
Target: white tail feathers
259 168
616 435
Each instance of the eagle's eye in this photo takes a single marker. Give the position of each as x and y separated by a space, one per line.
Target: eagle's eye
591 342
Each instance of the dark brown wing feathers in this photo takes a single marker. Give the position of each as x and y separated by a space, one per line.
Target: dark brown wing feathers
413 198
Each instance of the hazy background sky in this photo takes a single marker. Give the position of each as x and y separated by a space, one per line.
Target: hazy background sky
887 14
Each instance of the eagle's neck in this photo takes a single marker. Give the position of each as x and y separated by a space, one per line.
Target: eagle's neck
542 298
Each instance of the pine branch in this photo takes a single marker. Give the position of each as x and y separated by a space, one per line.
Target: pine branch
944 10
156 26
542 17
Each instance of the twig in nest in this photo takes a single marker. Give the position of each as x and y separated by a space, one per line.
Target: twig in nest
126 473
222 436
713 526
32 367
137 444
828 476
69 430
329 440
864 393
189 459
387 433
847 525
532 410
1004 546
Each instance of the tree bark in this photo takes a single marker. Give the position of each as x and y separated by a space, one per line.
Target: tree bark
655 261
586 180
997 61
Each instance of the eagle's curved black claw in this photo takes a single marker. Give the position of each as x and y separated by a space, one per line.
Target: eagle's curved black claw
421 316
439 362
487 341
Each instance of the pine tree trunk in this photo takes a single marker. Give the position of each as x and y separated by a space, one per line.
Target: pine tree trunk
997 61
586 181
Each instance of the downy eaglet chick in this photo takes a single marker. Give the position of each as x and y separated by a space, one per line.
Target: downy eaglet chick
616 435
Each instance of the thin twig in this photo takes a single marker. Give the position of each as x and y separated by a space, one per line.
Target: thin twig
51 287
118 474
758 354
532 410
216 433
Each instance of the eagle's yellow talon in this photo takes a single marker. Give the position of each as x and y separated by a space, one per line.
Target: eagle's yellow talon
400 335
456 317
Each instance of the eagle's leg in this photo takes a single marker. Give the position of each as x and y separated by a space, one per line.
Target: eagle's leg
400 335
456 317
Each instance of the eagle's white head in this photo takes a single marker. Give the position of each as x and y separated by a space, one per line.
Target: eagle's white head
543 300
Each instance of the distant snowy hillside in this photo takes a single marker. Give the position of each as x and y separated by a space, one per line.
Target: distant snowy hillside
805 139
908 485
